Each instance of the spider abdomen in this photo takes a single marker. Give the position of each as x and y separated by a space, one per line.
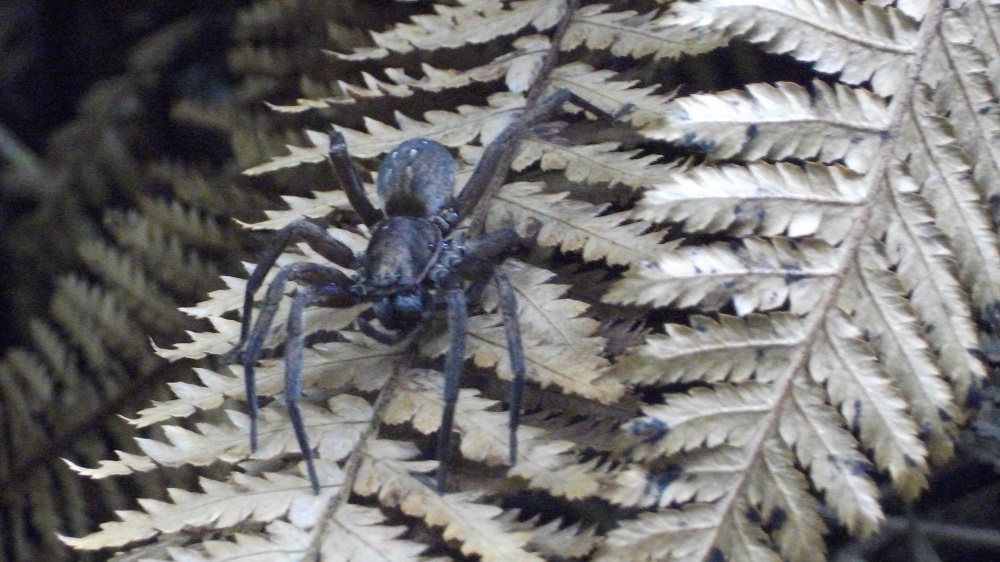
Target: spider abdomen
416 179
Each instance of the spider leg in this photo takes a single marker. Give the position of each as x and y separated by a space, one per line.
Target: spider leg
294 351
333 292
343 168
458 323
317 238
515 350
492 168
479 262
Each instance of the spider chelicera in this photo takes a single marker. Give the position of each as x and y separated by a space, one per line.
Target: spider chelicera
415 263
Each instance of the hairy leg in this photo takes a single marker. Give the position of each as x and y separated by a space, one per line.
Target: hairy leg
458 324
300 230
325 279
515 350
294 352
343 168
492 169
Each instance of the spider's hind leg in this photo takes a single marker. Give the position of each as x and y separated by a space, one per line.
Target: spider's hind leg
515 350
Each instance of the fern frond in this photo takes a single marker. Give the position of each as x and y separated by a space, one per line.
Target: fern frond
317 206
782 493
122 271
730 349
595 163
832 456
448 128
688 421
848 368
279 542
628 34
759 199
943 172
577 372
545 463
472 23
387 474
914 245
779 122
518 69
556 320
860 41
759 274
572 225
359 534
960 75
672 535
877 297
641 106
824 289
220 505
555 540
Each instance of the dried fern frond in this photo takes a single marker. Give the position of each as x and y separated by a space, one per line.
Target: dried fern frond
824 254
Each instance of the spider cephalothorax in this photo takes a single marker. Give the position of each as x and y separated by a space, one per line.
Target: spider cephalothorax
413 266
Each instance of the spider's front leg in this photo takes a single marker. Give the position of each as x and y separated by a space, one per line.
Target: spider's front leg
299 230
324 285
333 294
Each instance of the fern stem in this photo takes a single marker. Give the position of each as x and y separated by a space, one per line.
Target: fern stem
353 465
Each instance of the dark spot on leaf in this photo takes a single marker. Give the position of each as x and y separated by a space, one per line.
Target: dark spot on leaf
690 140
715 555
856 418
657 483
985 110
884 135
698 326
929 328
925 430
754 516
729 284
991 316
751 132
974 397
794 276
777 520
944 416
910 461
861 468
978 354
857 140
650 430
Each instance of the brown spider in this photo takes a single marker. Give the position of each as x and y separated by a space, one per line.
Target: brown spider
414 265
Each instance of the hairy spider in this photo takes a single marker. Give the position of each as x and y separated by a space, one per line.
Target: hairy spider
415 264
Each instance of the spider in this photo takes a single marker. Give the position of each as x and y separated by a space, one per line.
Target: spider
415 264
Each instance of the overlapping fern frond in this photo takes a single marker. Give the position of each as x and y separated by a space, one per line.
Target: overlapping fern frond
827 259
